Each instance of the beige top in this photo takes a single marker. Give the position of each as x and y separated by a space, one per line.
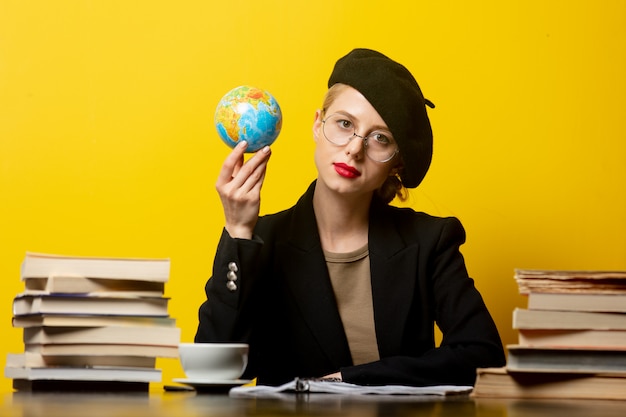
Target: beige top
350 277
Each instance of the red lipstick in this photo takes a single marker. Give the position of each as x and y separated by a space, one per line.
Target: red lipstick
346 171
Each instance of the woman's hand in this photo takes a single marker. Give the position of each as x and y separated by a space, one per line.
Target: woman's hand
333 377
239 187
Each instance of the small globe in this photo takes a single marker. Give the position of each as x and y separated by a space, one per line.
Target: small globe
250 114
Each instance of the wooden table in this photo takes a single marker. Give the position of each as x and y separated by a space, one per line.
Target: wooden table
190 404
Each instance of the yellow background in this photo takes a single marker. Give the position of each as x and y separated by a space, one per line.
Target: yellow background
107 143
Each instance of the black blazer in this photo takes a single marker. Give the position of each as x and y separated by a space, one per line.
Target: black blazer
285 309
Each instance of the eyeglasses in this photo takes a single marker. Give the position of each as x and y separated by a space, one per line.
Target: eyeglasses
339 130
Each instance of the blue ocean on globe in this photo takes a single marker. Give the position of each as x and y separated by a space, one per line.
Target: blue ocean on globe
250 114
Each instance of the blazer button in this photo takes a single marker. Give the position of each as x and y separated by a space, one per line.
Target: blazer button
232 266
231 286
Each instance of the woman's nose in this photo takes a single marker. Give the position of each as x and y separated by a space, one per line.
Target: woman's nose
356 146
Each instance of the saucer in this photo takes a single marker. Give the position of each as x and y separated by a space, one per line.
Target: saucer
201 384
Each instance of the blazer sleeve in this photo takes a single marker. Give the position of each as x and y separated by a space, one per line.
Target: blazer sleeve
223 316
470 337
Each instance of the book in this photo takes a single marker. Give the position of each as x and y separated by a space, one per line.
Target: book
141 335
557 281
571 338
37 360
608 303
499 383
568 360
546 319
96 373
38 265
56 386
598 339
99 349
313 385
26 304
91 323
80 320
82 285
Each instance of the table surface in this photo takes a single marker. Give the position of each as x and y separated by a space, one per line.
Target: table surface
191 404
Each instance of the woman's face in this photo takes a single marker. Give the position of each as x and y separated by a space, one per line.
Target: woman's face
347 169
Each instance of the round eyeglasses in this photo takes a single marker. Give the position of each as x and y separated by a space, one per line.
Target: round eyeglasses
339 130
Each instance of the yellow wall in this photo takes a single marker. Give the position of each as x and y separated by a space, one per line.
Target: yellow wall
107 145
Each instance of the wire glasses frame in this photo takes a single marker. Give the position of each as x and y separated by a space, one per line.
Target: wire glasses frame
339 130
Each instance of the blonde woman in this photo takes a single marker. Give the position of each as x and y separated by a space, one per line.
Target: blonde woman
343 285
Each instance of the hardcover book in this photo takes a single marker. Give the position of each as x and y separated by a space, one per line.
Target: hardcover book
38 265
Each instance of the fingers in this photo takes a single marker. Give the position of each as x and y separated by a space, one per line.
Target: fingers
237 175
239 187
250 176
257 183
232 163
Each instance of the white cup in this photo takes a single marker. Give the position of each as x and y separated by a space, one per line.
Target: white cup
213 361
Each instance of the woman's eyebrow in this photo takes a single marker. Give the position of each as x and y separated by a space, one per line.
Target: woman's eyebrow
356 120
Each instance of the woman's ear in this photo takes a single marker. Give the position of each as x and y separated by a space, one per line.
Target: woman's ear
395 170
317 124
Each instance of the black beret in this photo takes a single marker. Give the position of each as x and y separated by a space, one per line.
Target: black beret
393 92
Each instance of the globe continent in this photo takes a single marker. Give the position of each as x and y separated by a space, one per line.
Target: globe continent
250 114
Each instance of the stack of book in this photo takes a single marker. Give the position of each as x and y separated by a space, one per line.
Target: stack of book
571 338
91 323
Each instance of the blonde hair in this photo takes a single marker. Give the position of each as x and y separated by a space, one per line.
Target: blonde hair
392 187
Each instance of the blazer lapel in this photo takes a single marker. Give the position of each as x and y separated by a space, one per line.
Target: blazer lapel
392 289
306 275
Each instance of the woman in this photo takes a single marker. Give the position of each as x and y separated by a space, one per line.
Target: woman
343 285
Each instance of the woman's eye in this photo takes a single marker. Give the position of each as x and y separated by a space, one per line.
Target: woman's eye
345 124
381 138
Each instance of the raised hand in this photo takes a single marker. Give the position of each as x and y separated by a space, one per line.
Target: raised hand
239 187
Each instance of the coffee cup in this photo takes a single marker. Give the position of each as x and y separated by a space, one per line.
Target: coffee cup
213 361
